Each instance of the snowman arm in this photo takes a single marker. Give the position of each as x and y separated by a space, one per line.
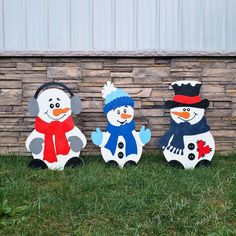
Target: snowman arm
34 135
105 139
77 133
137 138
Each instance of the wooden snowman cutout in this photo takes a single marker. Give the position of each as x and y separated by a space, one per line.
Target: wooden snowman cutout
120 144
188 143
55 142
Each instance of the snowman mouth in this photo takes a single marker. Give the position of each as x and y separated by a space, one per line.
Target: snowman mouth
52 117
195 114
122 122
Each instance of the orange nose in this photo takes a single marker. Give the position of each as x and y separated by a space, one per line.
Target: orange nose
183 114
59 111
125 116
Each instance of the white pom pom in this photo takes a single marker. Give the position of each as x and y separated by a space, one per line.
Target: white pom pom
108 88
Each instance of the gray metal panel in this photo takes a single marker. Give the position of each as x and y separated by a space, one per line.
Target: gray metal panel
36 23
89 25
231 24
1 25
81 25
125 25
14 14
169 24
103 21
147 21
58 24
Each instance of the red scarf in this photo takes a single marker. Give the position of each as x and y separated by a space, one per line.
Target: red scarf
58 129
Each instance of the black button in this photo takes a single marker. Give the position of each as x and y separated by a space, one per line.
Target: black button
120 154
191 146
120 145
191 156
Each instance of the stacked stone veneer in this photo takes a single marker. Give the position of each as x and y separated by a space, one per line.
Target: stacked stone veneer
147 80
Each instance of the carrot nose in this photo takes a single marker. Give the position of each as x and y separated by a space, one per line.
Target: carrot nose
125 116
59 111
183 114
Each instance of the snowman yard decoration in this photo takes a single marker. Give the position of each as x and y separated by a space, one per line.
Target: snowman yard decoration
120 144
188 143
55 142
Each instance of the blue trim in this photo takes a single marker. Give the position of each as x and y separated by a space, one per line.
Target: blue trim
118 102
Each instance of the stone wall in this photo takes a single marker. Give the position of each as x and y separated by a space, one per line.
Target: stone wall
146 79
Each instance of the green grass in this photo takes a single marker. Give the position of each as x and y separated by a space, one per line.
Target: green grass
151 199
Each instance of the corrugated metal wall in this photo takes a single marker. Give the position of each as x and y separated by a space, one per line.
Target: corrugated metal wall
117 25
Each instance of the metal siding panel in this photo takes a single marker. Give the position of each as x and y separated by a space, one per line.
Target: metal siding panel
81 24
117 24
58 24
147 25
103 25
188 23
231 25
211 24
125 38
1 25
36 24
169 24
14 25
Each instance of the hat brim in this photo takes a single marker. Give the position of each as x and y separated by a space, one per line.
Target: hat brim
172 104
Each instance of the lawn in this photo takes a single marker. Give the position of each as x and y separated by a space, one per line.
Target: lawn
151 199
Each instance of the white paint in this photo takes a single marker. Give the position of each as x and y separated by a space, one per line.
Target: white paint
117 25
192 82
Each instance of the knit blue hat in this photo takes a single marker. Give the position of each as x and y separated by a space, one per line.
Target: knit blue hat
115 98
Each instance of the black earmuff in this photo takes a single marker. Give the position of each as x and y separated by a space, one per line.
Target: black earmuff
33 107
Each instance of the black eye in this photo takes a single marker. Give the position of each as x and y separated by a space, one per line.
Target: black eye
118 112
184 109
57 105
188 109
51 105
125 110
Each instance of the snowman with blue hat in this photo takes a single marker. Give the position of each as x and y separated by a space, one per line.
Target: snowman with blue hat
120 144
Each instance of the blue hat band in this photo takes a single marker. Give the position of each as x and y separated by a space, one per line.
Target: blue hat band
118 102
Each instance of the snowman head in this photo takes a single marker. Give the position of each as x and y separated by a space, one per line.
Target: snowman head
187 105
187 114
120 115
54 104
119 106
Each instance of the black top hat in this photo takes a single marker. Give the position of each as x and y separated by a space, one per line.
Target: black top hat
187 94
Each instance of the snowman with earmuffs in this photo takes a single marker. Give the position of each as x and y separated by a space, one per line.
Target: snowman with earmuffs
188 143
120 144
55 142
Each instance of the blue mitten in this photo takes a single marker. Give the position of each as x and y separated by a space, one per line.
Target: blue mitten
145 135
97 137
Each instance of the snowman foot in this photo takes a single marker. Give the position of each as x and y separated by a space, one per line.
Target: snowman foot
203 163
37 164
176 164
74 162
111 164
130 163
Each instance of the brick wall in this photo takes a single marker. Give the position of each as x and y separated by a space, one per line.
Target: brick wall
146 79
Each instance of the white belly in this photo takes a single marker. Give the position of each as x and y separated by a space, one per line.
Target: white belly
61 160
120 156
192 155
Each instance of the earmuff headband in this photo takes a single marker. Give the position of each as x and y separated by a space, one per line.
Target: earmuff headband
46 85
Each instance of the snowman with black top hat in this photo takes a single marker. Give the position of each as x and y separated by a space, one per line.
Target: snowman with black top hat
188 143
55 142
